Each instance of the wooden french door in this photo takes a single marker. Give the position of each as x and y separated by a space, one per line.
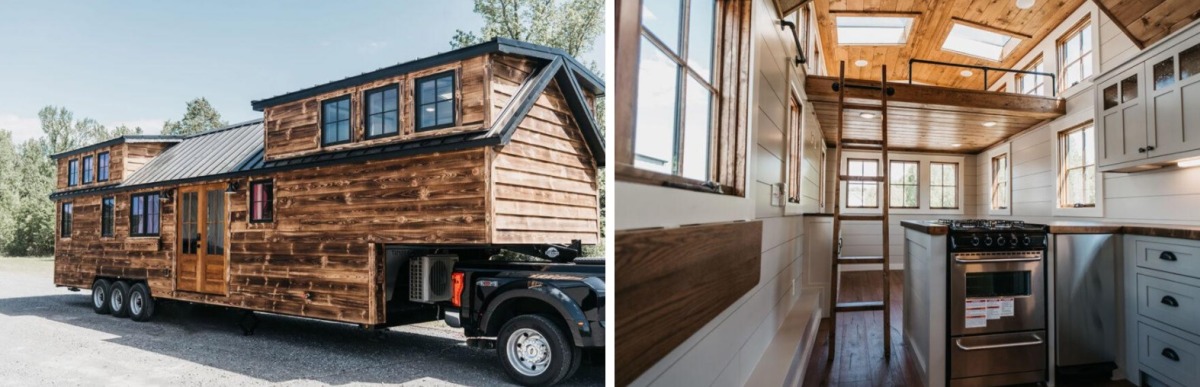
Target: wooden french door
202 263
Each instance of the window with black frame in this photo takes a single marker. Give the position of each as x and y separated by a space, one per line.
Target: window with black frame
67 214
102 167
335 121
262 201
88 169
383 111
106 217
72 173
435 101
144 214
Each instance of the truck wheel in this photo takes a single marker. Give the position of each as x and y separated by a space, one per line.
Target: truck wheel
100 296
118 299
535 352
141 305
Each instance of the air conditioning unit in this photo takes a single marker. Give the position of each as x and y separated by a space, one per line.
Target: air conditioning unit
429 278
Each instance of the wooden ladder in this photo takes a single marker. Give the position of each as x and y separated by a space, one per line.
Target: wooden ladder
838 218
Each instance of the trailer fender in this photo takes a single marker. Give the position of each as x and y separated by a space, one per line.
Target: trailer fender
572 315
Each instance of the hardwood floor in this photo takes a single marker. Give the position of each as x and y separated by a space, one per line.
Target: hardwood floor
859 354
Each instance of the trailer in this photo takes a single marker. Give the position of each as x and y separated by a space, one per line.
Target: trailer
343 199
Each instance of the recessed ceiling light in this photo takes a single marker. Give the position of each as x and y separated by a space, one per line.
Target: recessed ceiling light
867 115
861 63
989 124
1024 4
956 145
966 73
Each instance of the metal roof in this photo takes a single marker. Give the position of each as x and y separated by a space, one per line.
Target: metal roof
236 148
128 138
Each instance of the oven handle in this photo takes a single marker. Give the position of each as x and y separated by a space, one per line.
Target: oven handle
996 260
1036 340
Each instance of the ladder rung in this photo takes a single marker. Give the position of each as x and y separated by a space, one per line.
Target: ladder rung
854 106
861 141
860 260
861 178
858 306
861 147
863 218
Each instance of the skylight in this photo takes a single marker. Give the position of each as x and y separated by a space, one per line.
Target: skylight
852 30
979 43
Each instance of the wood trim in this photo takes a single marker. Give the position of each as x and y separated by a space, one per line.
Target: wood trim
1125 30
628 31
673 282
786 7
868 13
985 27
820 89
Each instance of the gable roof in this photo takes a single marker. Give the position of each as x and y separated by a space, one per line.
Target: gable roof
126 139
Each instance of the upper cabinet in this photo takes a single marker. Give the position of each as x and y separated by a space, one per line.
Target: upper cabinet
1148 112
108 162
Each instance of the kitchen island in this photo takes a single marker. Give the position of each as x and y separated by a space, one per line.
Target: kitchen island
925 298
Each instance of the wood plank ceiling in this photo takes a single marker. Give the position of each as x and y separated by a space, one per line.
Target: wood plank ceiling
932 22
1148 21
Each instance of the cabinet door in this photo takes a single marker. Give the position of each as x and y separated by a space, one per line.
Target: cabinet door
1189 92
1122 119
1165 107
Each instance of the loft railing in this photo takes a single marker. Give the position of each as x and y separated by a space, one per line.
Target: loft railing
911 62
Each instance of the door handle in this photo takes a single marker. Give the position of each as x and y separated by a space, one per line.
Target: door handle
1170 354
1170 301
996 260
1036 340
1168 256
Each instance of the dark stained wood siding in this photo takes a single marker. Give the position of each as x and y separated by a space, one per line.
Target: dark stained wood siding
137 155
292 129
124 159
545 188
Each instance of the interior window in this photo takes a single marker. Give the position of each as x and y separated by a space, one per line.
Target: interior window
795 145
905 180
1077 168
862 194
859 30
1000 193
335 121
1076 53
435 101
943 185
967 40
1032 83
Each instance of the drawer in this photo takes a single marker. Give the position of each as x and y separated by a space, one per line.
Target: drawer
1169 355
1170 302
1159 254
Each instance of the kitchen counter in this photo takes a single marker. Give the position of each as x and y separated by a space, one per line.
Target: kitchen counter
932 227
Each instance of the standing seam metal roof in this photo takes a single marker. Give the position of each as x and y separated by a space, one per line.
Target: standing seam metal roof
231 149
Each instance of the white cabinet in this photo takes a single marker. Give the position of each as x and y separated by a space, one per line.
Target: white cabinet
1162 307
1148 112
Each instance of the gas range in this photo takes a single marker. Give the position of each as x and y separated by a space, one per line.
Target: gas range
995 235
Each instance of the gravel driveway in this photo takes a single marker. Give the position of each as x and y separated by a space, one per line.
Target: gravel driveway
50 336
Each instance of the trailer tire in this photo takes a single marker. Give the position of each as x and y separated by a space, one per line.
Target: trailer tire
141 305
100 295
118 299
555 356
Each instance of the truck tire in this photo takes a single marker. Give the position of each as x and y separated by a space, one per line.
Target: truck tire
100 296
141 305
118 299
534 351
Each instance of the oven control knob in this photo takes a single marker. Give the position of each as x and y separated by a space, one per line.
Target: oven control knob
987 241
1027 241
1001 240
1013 237
975 240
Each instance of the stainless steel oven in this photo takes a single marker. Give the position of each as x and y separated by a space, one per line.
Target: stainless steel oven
997 291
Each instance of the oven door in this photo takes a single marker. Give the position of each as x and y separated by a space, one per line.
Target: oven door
993 292
998 359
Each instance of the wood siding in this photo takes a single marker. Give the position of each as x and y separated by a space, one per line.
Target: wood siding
124 159
137 155
544 181
293 129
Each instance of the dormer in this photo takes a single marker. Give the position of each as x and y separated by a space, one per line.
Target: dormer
108 163
472 90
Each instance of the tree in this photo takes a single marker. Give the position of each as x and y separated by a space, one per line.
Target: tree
124 130
10 179
200 116
33 218
62 132
571 25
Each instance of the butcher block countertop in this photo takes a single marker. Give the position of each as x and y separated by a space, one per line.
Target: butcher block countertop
931 227
1082 227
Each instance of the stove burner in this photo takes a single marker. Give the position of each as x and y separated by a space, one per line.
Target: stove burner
985 224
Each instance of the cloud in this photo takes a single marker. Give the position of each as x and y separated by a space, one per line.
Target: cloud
22 128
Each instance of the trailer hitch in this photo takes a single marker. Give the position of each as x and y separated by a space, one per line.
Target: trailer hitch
553 252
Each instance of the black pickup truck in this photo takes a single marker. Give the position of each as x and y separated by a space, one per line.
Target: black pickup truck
540 317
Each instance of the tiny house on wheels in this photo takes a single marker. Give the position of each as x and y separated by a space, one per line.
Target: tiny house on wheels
348 201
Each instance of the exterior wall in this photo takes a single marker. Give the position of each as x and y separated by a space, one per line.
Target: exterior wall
293 129
508 73
116 167
137 155
327 220
726 350
544 183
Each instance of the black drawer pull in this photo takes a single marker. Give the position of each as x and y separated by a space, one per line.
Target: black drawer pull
1168 256
1170 354
1170 301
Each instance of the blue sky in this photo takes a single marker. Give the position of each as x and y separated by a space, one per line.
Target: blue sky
139 62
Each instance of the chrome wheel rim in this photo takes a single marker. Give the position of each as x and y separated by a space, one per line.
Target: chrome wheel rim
98 294
117 300
528 352
136 302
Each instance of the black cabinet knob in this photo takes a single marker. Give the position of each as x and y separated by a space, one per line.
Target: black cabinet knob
1149 148
1168 256
1170 301
1141 150
1170 354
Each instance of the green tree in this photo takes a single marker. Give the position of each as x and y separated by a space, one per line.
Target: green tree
200 116
571 25
124 130
10 179
62 132
33 218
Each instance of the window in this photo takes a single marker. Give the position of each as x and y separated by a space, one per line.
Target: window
943 185
72 173
335 121
805 23
144 214
676 89
67 214
795 145
859 30
435 101
1032 83
102 167
1077 168
88 169
1076 53
106 217
1000 182
383 111
862 194
262 201
979 43
905 181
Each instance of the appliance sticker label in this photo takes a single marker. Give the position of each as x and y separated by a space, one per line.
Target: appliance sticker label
976 313
1006 307
993 308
